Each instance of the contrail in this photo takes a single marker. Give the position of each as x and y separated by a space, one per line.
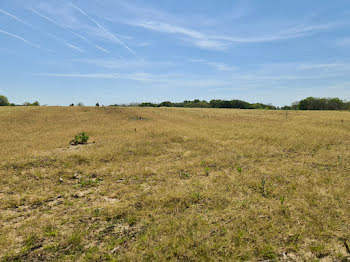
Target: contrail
74 47
66 29
89 42
103 29
47 18
13 16
19 38
102 49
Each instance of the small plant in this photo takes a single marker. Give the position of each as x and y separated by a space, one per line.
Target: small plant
30 243
80 139
185 175
87 183
262 187
131 221
239 238
51 231
207 170
239 170
268 252
96 212
282 199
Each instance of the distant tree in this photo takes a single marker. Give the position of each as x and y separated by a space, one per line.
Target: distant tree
36 103
71 104
166 104
312 103
80 104
347 106
97 104
4 101
148 104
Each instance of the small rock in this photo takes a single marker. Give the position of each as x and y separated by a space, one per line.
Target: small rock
61 180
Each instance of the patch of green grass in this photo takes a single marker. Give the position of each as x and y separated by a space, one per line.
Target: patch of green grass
51 231
131 221
87 183
268 252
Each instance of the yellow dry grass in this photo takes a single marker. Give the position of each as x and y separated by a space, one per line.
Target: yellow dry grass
174 184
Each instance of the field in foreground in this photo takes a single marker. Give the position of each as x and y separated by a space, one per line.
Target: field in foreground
174 184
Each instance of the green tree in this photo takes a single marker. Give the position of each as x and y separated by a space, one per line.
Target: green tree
4 101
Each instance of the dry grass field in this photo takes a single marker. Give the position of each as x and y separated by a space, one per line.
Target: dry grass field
173 184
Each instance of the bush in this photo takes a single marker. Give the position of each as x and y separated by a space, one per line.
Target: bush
80 139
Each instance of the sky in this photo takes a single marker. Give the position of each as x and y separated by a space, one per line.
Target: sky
127 51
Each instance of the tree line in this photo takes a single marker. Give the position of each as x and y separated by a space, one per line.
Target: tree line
314 103
310 103
212 104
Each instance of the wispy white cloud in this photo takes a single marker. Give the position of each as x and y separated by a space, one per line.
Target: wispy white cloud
130 76
221 42
343 42
150 80
104 29
123 64
325 66
197 38
144 44
298 31
19 38
218 66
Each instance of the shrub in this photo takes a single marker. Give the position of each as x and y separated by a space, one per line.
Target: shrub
80 139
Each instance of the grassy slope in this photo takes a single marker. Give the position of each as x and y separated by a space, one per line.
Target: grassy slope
178 184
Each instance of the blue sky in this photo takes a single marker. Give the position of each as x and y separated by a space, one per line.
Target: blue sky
121 51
